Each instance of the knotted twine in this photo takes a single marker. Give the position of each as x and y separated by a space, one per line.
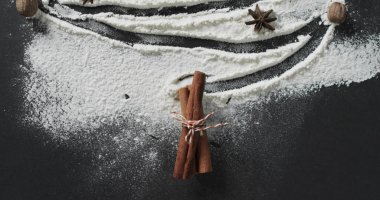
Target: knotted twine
195 125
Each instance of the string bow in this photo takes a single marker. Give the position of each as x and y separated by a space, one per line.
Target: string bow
195 125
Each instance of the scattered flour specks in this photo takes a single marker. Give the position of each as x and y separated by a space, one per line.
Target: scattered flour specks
78 80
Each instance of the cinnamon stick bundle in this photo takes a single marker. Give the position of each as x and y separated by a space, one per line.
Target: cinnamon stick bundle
182 145
194 157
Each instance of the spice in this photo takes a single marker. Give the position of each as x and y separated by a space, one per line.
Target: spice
194 112
182 144
337 13
27 8
204 164
262 19
194 156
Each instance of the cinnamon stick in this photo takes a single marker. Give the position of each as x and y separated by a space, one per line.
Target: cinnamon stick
194 112
183 94
204 164
203 156
193 157
183 98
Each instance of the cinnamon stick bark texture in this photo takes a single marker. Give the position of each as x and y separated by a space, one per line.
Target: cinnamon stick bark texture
204 164
183 98
194 112
183 94
192 157
203 157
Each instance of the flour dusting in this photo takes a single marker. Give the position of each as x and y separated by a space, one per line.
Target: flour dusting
143 4
79 80
216 24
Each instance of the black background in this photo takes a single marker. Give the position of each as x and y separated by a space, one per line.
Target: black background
332 137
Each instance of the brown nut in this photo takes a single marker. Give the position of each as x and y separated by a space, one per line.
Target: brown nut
27 8
337 13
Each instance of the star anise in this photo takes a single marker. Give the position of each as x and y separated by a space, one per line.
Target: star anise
85 1
262 19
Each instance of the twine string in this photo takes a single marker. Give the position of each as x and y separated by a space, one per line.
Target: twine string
195 125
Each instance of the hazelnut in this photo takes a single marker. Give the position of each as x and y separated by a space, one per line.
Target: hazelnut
337 13
27 8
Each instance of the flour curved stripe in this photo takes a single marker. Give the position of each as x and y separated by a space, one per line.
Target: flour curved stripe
246 92
241 70
222 25
270 71
235 66
131 38
141 4
163 11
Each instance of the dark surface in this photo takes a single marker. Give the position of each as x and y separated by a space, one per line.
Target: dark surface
321 146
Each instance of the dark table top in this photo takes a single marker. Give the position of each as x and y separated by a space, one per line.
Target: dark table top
324 145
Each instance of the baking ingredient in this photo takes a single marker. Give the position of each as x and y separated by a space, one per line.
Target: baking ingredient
27 8
183 94
143 4
242 93
201 161
194 112
214 61
220 24
77 80
203 154
337 12
261 19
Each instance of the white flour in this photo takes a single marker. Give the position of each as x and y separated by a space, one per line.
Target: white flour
139 3
221 25
78 79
